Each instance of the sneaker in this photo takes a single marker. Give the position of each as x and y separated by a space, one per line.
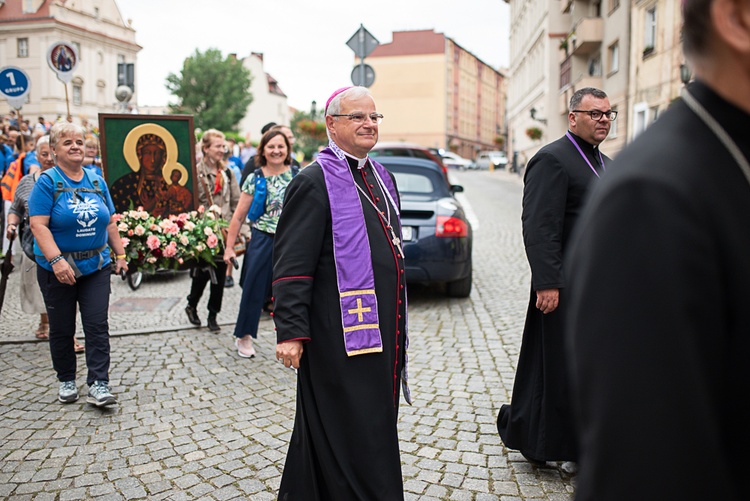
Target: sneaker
68 392
228 282
99 394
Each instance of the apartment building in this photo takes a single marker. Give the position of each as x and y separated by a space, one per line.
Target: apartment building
98 32
435 93
658 68
537 29
629 49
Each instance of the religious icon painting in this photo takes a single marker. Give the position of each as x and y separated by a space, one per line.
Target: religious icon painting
149 161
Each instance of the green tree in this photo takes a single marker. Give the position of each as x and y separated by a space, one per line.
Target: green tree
310 133
212 88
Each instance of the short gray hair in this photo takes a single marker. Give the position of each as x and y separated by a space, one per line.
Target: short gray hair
578 96
334 107
42 141
63 129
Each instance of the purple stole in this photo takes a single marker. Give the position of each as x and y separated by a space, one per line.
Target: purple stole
351 248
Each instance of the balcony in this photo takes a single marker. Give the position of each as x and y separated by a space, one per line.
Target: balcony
587 36
579 72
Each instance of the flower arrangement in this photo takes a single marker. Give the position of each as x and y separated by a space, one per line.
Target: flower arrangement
154 243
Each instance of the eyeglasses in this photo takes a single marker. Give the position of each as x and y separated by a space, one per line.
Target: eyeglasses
597 115
359 118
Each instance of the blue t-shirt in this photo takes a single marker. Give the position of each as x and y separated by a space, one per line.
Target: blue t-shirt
8 157
29 160
236 165
78 223
95 169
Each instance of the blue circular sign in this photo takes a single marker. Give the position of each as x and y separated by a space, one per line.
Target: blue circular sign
14 82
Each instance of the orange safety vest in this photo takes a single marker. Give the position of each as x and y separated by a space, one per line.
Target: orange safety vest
12 177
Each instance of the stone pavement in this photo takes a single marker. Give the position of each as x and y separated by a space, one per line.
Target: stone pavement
195 421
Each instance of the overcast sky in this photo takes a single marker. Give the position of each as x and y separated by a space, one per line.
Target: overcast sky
303 41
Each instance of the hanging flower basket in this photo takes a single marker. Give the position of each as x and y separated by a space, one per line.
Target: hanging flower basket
534 133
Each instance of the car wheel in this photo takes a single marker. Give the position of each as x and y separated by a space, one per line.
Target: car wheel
459 288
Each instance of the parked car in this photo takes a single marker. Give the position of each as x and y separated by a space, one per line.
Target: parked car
403 149
498 159
437 234
451 159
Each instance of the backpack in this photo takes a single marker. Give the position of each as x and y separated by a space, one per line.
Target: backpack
60 188
258 207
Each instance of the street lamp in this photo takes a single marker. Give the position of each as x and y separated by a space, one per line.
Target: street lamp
312 109
685 73
532 112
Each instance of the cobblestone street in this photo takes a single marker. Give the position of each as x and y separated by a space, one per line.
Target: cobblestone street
195 421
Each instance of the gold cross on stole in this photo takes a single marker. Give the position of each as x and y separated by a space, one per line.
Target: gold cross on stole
359 310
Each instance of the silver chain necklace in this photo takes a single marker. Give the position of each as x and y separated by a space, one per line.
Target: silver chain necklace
720 132
385 217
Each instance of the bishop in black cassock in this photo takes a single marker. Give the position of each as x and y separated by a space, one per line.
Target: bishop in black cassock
538 421
344 445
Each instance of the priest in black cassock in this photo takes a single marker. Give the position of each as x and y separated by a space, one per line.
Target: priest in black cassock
660 330
340 314
538 422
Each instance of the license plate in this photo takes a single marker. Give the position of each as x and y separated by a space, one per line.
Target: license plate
408 233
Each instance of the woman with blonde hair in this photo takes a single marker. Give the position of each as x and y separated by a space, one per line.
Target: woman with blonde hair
71 215
217 189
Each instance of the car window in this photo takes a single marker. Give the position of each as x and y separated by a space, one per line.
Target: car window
409 182
390 152
421 154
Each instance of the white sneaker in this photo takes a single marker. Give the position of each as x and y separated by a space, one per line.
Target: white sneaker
99 394
68 392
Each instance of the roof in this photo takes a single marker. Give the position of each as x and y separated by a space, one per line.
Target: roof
408 43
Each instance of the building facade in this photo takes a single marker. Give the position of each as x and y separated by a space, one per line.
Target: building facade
628 48
435 93
269 101
537 29
657 64
95 27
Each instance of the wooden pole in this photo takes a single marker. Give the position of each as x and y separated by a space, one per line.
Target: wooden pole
67 100
20 121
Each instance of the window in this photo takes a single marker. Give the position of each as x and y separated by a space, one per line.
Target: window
614 57
23 47
613 124
595 66
77 94
654 113
649 31
641 118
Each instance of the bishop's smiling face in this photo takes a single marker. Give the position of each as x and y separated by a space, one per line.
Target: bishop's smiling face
357 139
